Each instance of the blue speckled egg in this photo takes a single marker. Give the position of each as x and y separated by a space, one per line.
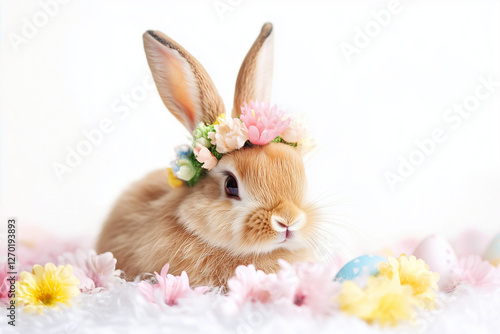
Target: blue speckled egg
362 265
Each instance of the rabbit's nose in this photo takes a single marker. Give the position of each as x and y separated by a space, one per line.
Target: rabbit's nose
281 224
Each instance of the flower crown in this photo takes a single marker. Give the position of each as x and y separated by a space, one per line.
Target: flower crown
258 124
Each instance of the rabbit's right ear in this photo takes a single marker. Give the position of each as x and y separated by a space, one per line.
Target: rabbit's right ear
184 85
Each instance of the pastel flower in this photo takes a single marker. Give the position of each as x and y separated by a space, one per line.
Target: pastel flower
297 131
4 283
414 273
37 245
183 169
264 123
183 151
169 288
230 134
46 287
204 156
383 301
200 134
477 272
94 271
252 285
220 118
173 181
314 287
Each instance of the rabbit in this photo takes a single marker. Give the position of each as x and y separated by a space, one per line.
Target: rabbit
249 209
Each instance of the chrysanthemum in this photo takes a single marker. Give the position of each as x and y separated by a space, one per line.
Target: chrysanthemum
383 301
414 273
46 287
264 123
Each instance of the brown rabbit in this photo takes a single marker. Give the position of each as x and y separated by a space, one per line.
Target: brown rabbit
250 208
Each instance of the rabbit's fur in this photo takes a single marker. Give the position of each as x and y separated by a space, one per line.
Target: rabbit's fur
199 229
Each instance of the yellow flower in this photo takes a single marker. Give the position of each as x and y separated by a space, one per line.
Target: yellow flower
384 301
414 273
46 287
173 181
220 119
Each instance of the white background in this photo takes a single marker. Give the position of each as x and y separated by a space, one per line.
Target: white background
79 64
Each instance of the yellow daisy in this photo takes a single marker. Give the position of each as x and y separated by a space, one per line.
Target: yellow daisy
46 287
383 301
414 273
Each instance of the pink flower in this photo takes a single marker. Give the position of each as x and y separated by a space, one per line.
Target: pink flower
4 284
250 284
94 271
312 285
476 272
204 156
169 288
264 123
230 134
307 286
38 246
471 242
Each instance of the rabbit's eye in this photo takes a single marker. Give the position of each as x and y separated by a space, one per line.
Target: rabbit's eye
231 186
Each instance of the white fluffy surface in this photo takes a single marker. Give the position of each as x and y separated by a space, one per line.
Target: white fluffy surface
123 310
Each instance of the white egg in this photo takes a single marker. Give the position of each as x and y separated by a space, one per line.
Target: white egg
441 258
492 253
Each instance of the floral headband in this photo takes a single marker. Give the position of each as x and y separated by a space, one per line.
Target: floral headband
258 124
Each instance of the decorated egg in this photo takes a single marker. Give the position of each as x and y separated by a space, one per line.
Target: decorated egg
360 266
441 258
492 253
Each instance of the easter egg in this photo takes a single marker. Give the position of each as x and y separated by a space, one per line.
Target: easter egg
360 266
441 258
492 253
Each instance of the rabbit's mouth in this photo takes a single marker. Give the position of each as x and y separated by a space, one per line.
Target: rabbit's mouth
285 236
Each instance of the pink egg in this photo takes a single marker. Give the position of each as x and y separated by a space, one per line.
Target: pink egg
441 258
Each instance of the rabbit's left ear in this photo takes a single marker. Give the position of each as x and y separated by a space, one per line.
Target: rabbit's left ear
184 85
256 73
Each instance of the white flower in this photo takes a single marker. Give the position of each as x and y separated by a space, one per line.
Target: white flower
230 134
297 131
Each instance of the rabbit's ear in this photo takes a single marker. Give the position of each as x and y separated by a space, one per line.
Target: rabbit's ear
256 73
183 84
